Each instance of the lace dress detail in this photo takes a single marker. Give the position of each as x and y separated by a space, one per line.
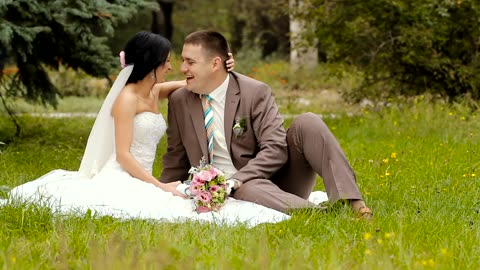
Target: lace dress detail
148 129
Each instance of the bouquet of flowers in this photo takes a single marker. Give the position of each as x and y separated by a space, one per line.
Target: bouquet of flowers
207 187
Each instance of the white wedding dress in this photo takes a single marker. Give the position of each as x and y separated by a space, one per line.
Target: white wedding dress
112 191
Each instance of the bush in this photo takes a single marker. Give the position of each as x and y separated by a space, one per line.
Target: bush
77 83
405 47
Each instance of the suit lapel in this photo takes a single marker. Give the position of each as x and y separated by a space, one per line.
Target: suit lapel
196 114
231 104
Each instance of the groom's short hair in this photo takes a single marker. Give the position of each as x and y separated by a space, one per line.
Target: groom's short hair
213 42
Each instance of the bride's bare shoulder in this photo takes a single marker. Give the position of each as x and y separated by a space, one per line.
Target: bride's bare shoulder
126 101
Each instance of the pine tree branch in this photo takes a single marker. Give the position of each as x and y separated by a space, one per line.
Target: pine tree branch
10 112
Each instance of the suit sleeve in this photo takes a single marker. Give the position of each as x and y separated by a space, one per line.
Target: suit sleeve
267 124
175 160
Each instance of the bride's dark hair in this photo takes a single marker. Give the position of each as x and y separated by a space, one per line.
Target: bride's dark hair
146 51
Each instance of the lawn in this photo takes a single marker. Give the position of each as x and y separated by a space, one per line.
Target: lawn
417 163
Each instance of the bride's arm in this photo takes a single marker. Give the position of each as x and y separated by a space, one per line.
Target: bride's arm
123 112
163 90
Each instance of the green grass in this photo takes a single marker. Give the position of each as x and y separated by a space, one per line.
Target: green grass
84 93
69 104
289 101
417 164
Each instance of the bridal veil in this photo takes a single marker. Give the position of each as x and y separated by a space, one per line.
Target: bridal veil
101 141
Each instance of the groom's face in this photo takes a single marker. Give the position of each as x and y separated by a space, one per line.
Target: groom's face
198 69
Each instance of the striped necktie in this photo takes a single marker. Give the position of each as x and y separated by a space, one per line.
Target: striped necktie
208 114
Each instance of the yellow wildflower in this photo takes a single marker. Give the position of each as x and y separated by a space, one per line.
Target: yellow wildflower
367 236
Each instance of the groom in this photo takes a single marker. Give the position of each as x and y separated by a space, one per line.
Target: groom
243 135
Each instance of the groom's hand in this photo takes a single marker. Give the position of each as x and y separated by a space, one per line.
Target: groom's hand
232 185
230 63
172 187
184 189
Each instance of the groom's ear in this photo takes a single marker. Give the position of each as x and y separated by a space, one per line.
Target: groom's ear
218 63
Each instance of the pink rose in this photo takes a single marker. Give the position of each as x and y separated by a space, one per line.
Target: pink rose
204 175
205 197
122 59
203 209
217 171
194 189
197 180
213 172
214 188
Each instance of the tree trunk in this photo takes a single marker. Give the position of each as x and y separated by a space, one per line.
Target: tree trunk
302 54
162 19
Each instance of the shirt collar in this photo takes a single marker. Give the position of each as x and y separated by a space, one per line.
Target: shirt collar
220 92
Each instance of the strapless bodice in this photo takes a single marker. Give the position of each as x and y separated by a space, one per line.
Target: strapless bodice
148 129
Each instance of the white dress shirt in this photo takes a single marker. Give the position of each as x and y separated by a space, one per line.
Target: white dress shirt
221 156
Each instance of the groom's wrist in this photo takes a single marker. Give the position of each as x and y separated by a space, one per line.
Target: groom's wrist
232 185
184 189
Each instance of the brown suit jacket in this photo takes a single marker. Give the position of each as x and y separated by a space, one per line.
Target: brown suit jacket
257 153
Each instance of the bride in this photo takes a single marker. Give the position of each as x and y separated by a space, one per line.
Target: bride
115 175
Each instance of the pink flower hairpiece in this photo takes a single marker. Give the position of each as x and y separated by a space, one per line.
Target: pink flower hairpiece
122 59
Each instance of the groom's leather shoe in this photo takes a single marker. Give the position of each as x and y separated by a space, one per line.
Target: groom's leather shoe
365 213
360 209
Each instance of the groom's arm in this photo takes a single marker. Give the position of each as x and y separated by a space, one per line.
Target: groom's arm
175 161
267 125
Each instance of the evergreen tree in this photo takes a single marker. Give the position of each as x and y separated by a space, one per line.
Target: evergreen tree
44 33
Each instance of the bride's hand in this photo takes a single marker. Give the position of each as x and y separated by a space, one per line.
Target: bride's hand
172 187
230 63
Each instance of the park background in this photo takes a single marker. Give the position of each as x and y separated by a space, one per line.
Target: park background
396 81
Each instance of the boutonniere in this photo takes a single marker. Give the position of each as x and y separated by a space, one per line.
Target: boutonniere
239 126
